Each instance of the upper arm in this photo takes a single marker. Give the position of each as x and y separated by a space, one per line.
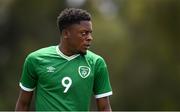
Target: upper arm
24 100
103 104
27 84
29 78
102 86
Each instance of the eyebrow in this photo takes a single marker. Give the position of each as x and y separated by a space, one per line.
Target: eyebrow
86 30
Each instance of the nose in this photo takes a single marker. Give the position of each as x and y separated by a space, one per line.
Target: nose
89 38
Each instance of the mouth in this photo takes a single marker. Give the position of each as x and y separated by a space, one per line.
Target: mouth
87 46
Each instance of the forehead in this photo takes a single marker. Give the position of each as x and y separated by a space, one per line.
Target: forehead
83 25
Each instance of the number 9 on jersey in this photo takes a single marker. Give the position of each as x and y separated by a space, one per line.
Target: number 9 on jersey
66 82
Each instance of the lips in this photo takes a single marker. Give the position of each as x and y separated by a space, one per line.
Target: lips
87 46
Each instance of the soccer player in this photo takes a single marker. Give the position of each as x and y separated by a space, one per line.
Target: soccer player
64 77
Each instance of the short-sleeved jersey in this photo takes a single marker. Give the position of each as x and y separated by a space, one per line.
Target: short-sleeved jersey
64 83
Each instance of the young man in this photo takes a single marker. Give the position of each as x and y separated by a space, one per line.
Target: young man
64 77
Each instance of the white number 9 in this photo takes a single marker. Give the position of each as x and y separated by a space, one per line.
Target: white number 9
66 82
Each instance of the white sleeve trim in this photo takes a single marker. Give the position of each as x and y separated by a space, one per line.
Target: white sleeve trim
103 95
25 88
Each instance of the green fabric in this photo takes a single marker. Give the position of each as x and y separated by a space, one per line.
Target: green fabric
63 84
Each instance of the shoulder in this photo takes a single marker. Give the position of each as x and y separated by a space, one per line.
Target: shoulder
40 53
94 57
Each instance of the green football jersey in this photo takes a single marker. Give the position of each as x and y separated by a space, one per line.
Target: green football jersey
64 82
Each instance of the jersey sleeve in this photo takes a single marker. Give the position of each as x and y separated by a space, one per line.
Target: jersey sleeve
102 87
28 79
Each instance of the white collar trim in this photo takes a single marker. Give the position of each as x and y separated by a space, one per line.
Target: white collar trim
65 56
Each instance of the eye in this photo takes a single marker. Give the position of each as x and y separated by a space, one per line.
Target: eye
86 33
83 33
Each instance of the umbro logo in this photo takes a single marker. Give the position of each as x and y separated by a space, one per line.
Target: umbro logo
50 69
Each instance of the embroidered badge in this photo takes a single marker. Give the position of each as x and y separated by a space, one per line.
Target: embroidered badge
84 71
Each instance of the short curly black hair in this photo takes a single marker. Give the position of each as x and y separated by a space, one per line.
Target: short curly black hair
71 16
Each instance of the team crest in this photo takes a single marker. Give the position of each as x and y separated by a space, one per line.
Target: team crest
84 71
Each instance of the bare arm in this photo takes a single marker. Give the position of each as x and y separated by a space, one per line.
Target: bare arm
24 100
103 104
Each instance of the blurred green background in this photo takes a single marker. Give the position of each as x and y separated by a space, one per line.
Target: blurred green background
138 38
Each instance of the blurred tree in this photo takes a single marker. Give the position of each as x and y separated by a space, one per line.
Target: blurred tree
151 75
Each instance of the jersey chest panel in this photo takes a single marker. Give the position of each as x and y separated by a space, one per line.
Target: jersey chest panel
65 77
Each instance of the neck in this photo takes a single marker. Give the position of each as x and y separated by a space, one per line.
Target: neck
65 49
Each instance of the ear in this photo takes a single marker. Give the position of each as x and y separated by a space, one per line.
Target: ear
65 33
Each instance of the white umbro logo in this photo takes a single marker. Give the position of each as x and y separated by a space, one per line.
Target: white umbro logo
50 69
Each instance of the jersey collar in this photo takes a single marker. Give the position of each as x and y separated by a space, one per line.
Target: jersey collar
65 56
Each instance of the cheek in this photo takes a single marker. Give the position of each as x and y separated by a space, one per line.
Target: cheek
81 40
76 41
